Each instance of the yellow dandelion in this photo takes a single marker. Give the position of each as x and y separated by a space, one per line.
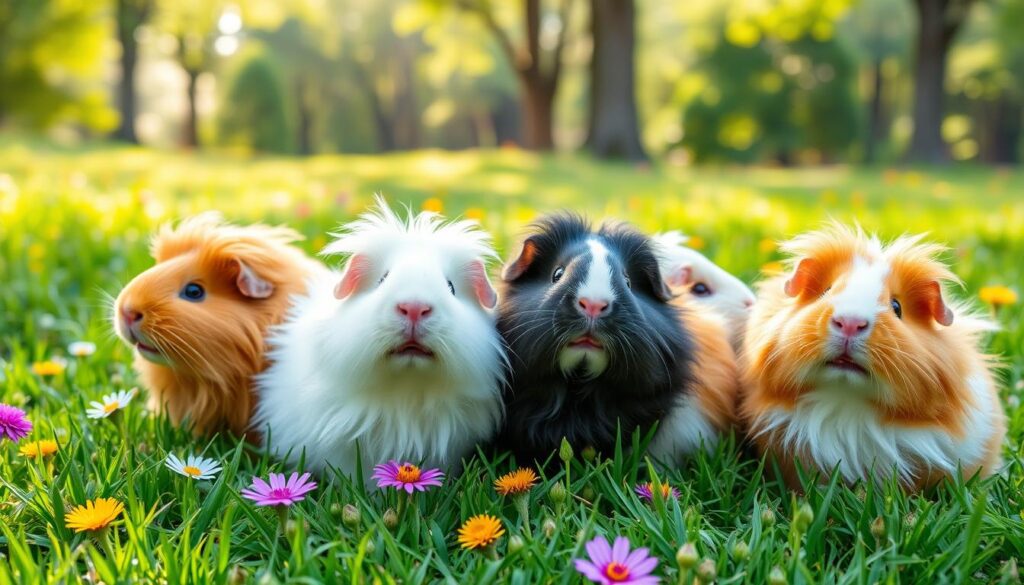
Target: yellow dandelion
767 246
475 213
695 242
43 448
998 296
480 531
516 482
773 268
48 368
94 515
433 204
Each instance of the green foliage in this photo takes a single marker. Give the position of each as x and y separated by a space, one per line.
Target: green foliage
254 111
75 229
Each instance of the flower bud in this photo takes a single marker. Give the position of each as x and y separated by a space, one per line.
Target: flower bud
776 577
878 528
336 509
1010 571
587 493
370 547
390 519
238 575
686 556
515 544
290 528
558 493
741 551
267 578
548 527
565 451
706 571
350 516
767 517
589 453
803 518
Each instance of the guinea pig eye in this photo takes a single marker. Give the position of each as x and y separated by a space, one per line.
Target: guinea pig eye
192 292
897 308
701 290
557 275
451 287
383 276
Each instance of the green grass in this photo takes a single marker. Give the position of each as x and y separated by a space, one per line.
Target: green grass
73 229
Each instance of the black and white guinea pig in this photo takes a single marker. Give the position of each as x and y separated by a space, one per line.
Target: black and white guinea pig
593 342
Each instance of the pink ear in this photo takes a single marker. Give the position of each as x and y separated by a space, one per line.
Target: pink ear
804 277
680 277
485 294
250 284
355 273
939 311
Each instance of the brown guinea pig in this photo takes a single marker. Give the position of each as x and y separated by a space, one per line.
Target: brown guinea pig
858 361
197 319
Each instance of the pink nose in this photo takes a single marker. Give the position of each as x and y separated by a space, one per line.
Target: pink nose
413 311
593 308
850 326
130 316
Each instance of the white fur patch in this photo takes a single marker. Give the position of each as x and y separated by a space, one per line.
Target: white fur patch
860 297
571 357
598 283
682 432
837 426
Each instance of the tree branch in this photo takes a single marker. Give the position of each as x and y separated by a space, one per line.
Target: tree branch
514 57
556 65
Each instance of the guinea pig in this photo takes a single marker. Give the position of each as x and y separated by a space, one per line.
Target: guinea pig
396 358
690 272
198 318
594 343
859 360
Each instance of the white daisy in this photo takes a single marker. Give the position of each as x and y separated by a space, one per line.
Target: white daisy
82 348
111 403
193 467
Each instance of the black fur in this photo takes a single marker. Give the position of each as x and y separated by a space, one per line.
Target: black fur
650 351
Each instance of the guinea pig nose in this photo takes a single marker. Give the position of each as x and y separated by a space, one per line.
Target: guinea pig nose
414 311
748 303
593 308
850 326
130 316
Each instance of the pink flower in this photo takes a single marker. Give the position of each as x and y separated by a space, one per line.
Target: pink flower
13 423
646 491
616 564
406 476
278 492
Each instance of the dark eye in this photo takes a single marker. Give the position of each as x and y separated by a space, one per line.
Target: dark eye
701 290
192 292
897 308
451 287
557 275
381 281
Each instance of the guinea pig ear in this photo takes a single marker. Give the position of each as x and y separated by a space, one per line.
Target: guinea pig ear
482 288
805 276
250 284
680 276
355 274
936 306
522 263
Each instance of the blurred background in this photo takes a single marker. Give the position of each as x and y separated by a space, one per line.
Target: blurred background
778 83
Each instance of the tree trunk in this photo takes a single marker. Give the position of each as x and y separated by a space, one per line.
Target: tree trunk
305 121
938 22
999 129
538 114
190 133
613 126
129 16
876 124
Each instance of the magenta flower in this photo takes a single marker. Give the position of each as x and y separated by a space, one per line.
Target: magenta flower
13 423
406 476
616 564
646 491
278 492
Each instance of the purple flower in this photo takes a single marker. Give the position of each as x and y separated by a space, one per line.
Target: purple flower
13 423
406 476
278 492
616 564
646 491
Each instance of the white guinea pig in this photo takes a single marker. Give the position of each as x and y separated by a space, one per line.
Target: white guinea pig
399 354
687 269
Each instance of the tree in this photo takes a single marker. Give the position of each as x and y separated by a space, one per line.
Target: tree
538 74
613 128
938 23
130 15
255 115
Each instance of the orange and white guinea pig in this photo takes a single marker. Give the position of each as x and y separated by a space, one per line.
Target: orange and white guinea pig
197 319
857 360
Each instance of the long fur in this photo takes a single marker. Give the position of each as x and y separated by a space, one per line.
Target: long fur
928 402
213 348
334 388
649 352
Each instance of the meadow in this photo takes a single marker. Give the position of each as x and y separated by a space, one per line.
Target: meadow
74 227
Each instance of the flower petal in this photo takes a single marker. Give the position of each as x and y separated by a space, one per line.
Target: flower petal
600 551
620 550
